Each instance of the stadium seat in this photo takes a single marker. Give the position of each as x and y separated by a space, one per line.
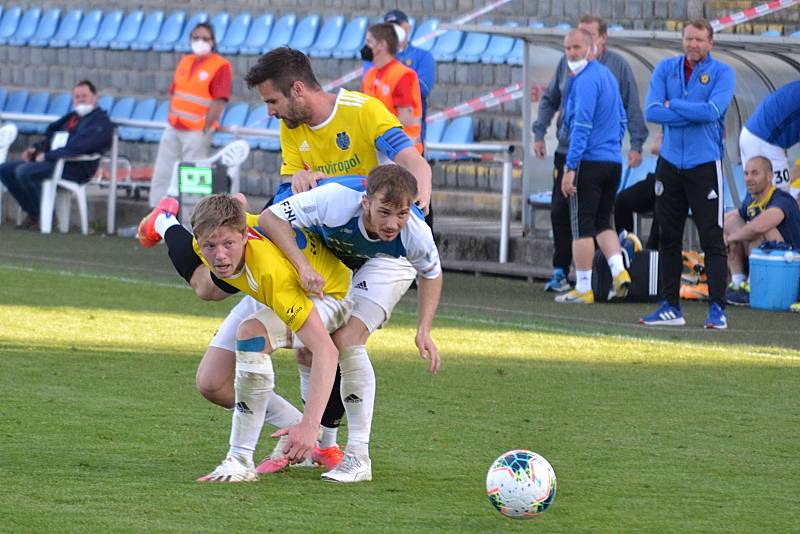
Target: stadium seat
27 27
9 23
499 47
108 31
257 119
59 105
183 44
771 33
153 135
257 35
105 102
148 33
474 46
128 31
305 33
143 111
430 25
3 97
48 25
67 30
616 28
563 26
220 23
458 132
435 130
59 200
236 34
87 30
352 39
170 32
447 45
235 115
35 105
123 108
15 103
329 36
795 35
281 33
273 144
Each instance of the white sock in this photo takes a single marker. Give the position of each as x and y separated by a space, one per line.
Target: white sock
358 395
583 281
327 437
255 381
737 279
305 378
163 223
615 264
281 413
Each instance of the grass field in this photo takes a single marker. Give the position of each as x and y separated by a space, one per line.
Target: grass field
649 430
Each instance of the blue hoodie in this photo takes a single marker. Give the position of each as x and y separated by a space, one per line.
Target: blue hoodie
776 120
694 122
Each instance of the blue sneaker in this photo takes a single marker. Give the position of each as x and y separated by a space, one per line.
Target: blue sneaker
665 315
716 317
558 282
739 296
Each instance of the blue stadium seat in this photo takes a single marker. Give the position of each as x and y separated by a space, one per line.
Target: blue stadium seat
9 23
447 45
795 35
563 26
281 33
771 33
352 39
183 44
430 25
235 115
105 102
220 23
236 34
143 111
153 135
27 27
123 108
128 30
257 118
15 103
258 35
305 33
273 144
3 98
36 105
109 29
329 36
435 130
458 132
474 46
616 28
60 105
499 47
170 32
67 29
87 30
148 33
48 25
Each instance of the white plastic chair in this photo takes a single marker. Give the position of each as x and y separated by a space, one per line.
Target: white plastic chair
8 134
56 196
231 155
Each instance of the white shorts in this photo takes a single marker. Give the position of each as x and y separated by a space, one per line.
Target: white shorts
377 287
333 312
751 146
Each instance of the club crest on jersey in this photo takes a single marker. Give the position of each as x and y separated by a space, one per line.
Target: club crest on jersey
203 75
252 234
343 140
704 78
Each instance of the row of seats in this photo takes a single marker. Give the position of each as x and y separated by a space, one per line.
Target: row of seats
242 34
458 131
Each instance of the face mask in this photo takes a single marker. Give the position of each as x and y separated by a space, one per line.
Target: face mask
366 53
83 109
201 48
577 66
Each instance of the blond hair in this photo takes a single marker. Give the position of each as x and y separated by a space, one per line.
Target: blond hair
215 211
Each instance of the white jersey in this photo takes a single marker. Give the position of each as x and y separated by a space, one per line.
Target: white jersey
333 211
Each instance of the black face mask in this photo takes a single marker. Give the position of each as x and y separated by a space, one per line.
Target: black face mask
366 53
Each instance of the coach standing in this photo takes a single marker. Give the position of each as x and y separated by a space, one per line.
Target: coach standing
689 95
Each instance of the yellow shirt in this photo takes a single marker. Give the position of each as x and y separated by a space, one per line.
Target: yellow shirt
270 278
342 145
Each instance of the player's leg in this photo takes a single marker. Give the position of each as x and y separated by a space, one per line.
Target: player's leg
582 210
608 174
562 236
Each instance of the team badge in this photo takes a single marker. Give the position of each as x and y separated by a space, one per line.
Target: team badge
343 140
704 78
203 75
408 62
659 188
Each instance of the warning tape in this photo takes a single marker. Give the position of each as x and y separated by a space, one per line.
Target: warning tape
751 13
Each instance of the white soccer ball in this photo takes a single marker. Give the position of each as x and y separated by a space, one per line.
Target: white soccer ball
521 484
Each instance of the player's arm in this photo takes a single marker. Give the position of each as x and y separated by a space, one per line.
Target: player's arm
430 291
410 159
202 282
762 224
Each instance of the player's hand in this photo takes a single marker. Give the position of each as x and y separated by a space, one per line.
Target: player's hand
40 156
428 351
28 153
302 439
311 281
634 159
568 184
304 180
239 197
539 149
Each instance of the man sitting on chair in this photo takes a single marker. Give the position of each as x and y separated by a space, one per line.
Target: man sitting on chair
85 130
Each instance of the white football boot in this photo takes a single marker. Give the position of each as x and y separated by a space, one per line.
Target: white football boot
232 470
351 469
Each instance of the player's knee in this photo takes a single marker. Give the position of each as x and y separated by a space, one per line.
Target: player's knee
303 357
215 390
251 336
355 332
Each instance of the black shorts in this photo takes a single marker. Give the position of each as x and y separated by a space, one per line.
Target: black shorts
590 208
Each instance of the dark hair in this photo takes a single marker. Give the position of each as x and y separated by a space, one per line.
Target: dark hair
282 66
396 183
385 31
700 24
88 84
210 29
602 25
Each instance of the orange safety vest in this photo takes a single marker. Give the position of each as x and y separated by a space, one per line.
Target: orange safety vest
383 88
192 97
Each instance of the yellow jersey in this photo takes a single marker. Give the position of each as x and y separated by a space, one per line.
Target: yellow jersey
270 278
346 143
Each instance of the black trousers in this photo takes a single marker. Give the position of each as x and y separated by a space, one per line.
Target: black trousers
678 190
638 198
560 218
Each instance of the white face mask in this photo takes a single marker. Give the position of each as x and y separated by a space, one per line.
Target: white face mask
201 48
577 66
83 109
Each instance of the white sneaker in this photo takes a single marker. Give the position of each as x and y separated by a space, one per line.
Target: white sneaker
351 469
232 470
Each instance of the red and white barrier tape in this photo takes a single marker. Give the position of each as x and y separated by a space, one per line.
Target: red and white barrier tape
751 13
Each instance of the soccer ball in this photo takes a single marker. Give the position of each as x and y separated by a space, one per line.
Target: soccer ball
521 484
